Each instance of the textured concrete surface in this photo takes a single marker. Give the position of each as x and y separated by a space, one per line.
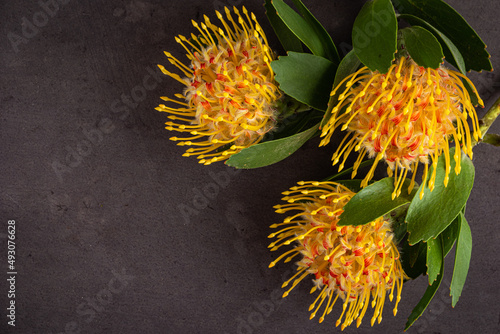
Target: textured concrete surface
96 187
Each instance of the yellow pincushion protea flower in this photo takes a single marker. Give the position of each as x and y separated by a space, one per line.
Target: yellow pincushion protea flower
355 263
230 89
403 117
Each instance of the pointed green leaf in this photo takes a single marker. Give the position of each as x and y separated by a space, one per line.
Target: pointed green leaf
422 46
434 258
349 64
426 299
374 35
398 224
307 33
270 152
373 202
287 38
305 77
450 235
431 215
293 124
472 93
454 26
320 31
462 260
413 259
451 53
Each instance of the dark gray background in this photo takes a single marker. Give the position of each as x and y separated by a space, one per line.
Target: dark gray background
118 208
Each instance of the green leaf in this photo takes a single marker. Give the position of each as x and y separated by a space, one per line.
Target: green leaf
374 35
398 224
305 77
454 26
422 46
309 34
349 64
320 31
413 259
270 152
451 53
431 215
293 117
462 260
434 258
287 38
293 124
473 95
426 299
373 202
450 235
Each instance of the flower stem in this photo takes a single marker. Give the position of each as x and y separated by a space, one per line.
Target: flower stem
488 119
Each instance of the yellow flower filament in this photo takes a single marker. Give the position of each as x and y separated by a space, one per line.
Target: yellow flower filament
404 117
355 263
230 92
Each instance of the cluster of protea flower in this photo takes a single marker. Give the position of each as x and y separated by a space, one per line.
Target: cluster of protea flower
229 100
405 117
353 263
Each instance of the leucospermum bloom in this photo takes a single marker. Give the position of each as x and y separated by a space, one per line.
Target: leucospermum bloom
403 117
353 263
229 98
